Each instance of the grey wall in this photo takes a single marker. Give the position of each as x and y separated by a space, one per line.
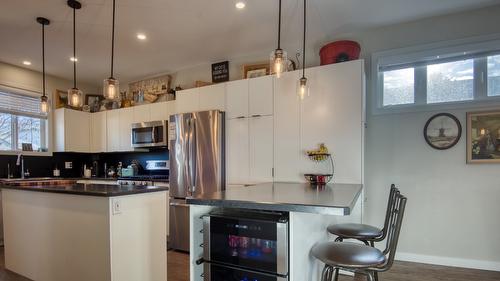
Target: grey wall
453 207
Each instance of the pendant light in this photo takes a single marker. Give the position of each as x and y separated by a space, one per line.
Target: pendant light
44 101
74 94
279 59
111 86
303 88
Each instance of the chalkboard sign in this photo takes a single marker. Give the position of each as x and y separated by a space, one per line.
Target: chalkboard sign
220 72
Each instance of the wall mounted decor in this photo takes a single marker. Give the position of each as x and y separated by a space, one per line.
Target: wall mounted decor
94 102
442 131
255 70
220 72
483 137
61 98
151 89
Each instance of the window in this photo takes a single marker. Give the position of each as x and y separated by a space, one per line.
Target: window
450 81
494 75
440 74
399 87
21 122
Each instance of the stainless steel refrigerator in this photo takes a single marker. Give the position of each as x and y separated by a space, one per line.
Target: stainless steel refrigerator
197 166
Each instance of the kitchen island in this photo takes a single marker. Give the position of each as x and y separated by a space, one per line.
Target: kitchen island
308 211
71 231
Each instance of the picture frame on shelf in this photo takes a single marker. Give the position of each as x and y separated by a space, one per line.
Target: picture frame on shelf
442 131
255 70
483 137
94 102
60 99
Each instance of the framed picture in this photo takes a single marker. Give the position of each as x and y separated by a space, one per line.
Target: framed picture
94 102
442 131
255 70
60 98
483 137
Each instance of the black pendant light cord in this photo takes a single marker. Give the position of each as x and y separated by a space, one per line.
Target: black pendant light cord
279 26
113 41
74 48
304 45
43 60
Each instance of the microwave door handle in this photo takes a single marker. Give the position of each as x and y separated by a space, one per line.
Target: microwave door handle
153 135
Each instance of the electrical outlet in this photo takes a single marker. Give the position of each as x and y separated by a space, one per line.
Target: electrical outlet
117 207
68 165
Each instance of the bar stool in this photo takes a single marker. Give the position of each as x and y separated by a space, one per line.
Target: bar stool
366 233
359 258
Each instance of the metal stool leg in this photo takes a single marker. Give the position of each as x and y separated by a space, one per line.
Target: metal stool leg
324 273
369 276
375 274
336 275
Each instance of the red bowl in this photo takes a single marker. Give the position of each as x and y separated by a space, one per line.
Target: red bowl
339 51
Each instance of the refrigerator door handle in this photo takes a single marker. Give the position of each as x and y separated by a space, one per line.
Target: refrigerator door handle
192 157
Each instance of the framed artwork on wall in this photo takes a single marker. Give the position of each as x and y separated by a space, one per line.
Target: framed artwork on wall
255 70
483 137
442 131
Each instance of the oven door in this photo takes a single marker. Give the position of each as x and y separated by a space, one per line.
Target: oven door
214 272
254 244
149 134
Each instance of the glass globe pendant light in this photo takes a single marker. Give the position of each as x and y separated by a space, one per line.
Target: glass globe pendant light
111 86
278 59
44 101
75 96
303 87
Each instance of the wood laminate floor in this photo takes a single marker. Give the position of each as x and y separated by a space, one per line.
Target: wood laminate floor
178 270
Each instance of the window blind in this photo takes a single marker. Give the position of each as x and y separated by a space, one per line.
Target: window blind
19 104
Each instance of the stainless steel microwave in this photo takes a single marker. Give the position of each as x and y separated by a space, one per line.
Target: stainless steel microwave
149 134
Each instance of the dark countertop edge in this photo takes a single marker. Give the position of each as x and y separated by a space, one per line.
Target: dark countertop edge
271 206
277 206
86 193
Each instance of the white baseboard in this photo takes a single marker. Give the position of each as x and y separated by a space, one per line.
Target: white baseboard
447 261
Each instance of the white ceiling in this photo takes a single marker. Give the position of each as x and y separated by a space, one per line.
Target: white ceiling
185 33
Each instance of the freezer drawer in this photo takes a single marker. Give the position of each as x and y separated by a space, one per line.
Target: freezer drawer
179 225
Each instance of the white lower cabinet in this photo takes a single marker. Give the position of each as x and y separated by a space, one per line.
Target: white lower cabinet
261 149
237 151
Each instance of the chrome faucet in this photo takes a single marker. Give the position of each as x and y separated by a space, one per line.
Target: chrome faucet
20 161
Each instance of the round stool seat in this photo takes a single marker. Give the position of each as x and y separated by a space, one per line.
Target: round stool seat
355 230
348 255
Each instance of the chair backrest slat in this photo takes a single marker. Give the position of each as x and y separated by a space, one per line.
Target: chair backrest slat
388 213
394 228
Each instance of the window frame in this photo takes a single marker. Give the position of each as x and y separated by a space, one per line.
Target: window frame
45 127
486 45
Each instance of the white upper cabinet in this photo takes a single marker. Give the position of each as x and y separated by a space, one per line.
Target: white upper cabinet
72 130
237 151
261 149
212 97
160 111
187 100
260 95
237 99
113 130
126 119
98 134
142 113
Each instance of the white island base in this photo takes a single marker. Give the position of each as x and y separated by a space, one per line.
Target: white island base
305 230
61 237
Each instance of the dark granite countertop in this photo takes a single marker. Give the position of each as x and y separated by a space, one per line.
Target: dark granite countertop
102 190
332 199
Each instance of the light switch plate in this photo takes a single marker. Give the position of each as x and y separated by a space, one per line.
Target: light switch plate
117 207
68 165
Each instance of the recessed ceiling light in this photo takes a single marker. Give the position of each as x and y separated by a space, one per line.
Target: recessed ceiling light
73 59
26 62
240 5
141 36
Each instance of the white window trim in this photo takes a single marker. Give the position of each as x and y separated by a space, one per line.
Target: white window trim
48 132
418 53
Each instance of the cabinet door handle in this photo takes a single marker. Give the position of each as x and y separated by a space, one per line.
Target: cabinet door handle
240 117
256 115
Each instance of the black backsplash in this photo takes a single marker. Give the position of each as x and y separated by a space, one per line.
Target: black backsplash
42 166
